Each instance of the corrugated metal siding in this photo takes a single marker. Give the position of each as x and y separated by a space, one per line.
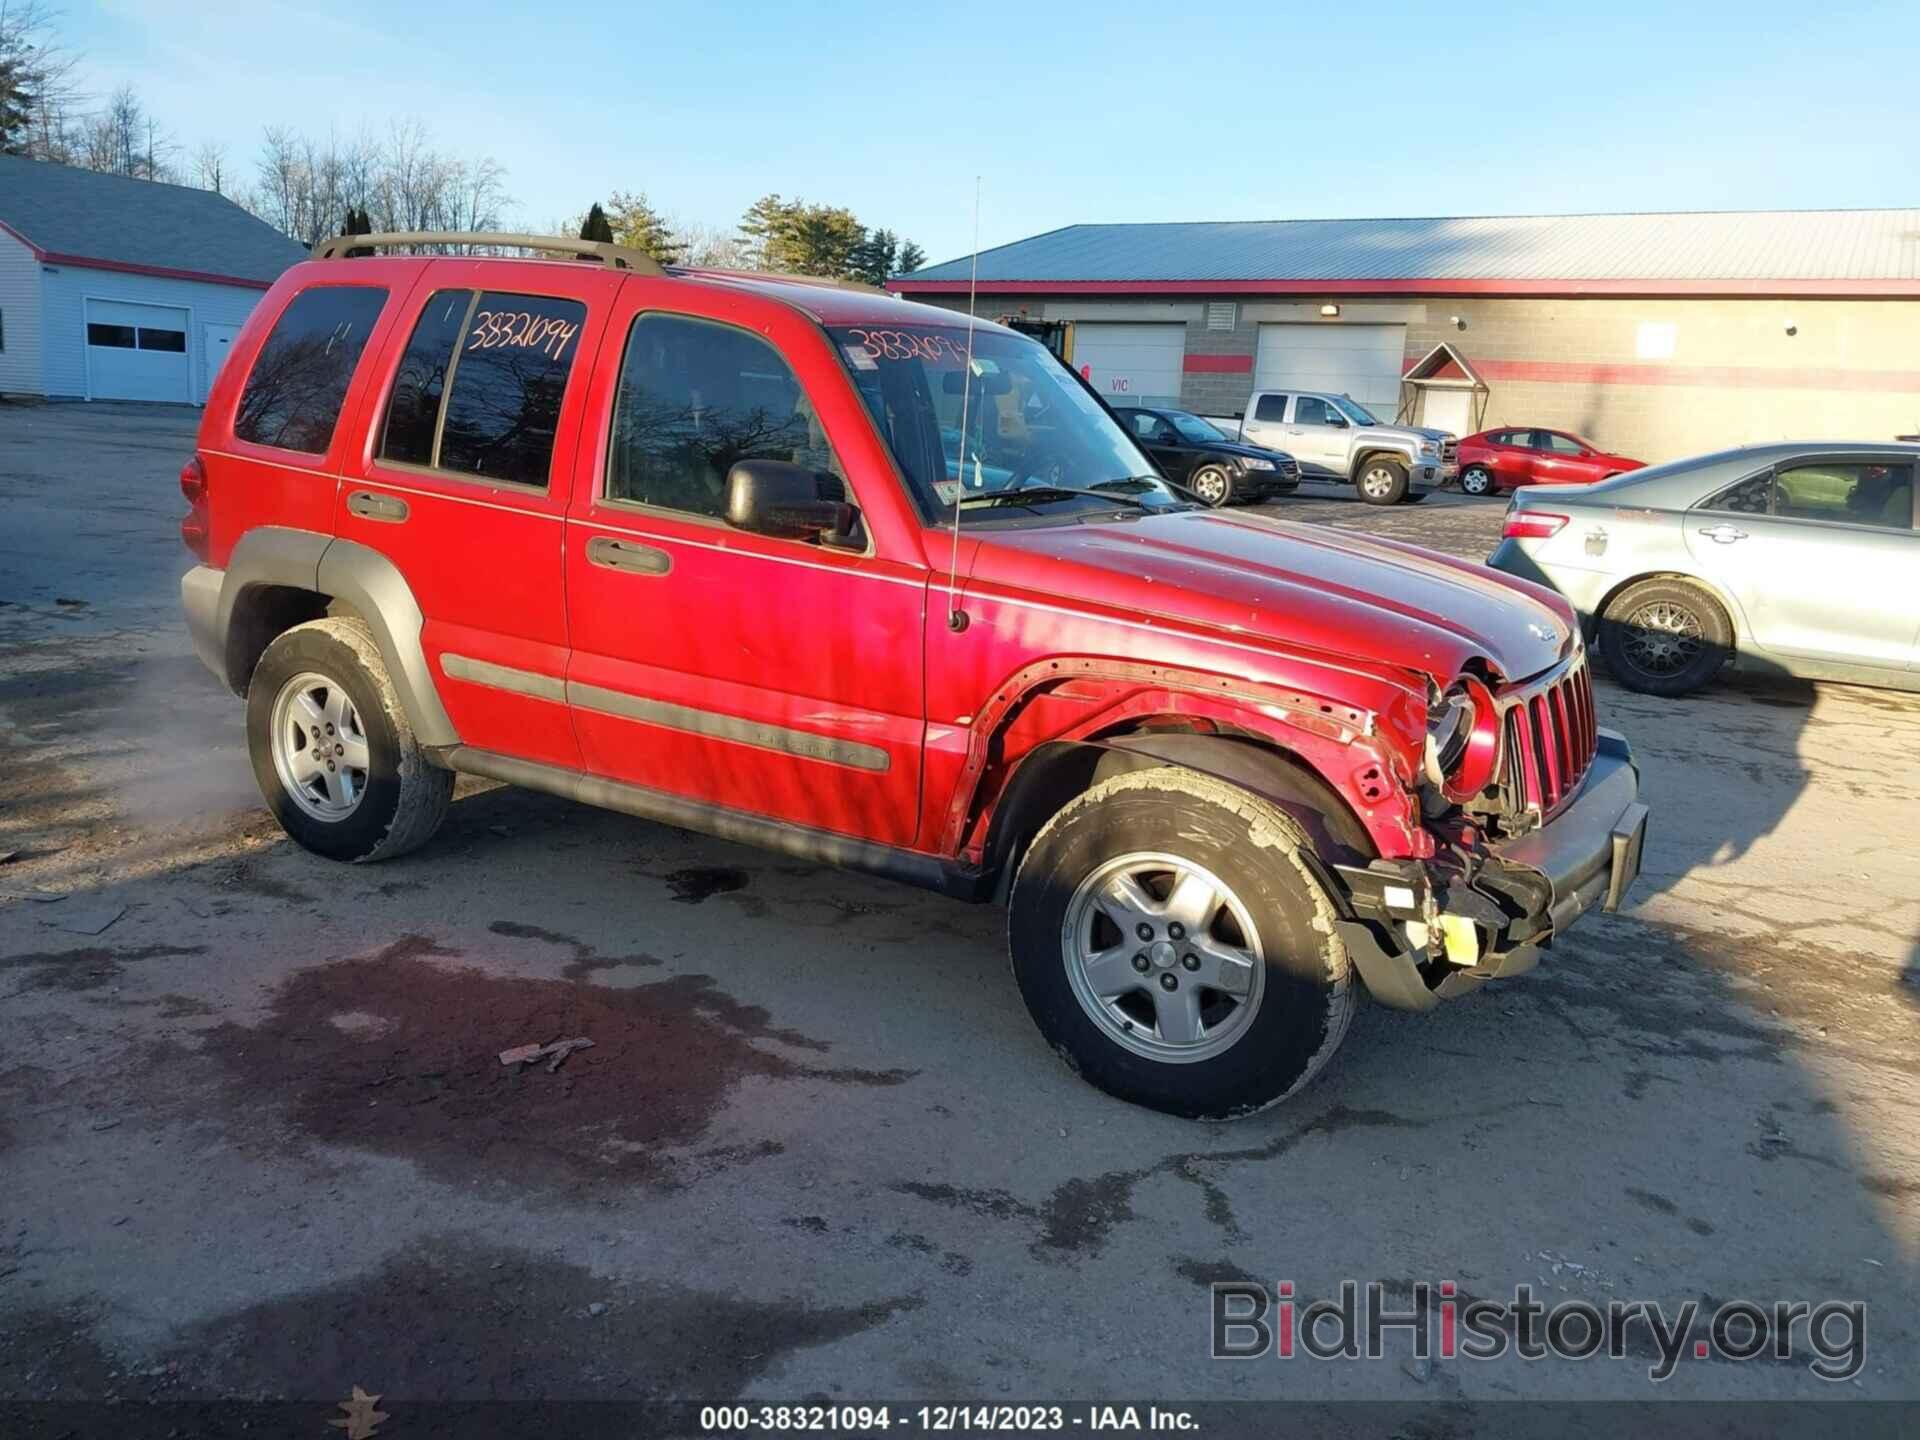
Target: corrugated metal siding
19 318
1751 245
64 295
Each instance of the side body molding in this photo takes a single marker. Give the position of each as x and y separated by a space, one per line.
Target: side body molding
372 585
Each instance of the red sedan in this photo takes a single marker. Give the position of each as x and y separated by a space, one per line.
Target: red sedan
1507 459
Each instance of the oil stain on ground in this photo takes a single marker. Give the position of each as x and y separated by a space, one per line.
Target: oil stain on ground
91 968
417 1075
452 1320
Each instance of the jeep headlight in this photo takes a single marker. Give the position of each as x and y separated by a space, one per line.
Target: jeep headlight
1463 740
1252 462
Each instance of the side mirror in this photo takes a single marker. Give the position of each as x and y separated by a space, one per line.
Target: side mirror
1337 420
772 497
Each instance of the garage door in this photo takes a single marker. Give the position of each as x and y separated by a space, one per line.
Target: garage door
1131 364
1359 360
137 352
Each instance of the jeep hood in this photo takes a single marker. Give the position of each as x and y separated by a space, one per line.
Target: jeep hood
1302 586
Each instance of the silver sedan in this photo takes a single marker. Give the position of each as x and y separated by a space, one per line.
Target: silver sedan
1801 559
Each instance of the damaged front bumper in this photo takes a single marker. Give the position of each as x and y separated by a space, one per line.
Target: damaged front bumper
1421 932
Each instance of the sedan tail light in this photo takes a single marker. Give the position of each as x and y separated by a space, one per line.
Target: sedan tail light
1533 525
194 525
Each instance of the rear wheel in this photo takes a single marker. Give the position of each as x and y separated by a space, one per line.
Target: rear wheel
334 755
1174 947
1476 480
1381 481
1212 484
1665 637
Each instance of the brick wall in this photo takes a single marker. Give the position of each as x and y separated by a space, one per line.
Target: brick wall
1657 379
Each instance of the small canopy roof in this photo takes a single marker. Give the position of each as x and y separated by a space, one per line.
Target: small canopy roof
1443 365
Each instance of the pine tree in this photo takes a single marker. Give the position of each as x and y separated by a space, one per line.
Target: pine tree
596 226
910 259
766 232
638 226
872 259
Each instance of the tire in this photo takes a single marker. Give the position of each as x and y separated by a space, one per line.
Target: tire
1239 1053
1381 480
1213 484
323 682
1477 480
1665 637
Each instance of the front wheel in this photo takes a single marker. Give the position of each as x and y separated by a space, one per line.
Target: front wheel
1173 945
1381 481
1476 480
332 749
1212 484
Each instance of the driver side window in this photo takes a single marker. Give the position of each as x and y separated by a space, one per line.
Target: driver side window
696 398
1311 410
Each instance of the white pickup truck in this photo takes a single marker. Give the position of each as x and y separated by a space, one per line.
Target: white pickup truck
1334 436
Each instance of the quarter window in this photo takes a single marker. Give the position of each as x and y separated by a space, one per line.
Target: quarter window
1271 407
299 381
413 414
1752 496
695 399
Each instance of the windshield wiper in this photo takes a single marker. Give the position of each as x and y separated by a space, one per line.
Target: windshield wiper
1051 492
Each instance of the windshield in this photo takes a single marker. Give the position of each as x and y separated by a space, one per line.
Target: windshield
1192 427
1018 421
1354 411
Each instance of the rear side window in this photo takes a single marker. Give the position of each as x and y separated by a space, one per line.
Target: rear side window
480 386
695 399
1271 407
293 397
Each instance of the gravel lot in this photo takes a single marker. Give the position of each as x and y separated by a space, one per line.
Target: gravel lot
256 1142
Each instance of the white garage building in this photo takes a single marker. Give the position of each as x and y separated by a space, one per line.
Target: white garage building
119 289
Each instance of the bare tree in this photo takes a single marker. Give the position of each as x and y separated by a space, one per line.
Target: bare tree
210 167
402 182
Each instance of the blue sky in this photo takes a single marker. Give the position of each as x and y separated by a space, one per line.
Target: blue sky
1070 113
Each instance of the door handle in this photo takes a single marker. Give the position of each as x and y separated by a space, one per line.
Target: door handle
369 506
1723 534
627 556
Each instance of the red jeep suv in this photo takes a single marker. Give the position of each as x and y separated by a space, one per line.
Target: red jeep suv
808 567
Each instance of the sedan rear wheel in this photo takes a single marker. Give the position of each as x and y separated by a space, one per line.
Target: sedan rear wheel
1665 637
1212 484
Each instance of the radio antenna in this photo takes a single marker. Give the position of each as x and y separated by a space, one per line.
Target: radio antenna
956 617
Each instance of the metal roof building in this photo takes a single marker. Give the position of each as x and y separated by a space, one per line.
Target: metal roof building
114 288
1658 334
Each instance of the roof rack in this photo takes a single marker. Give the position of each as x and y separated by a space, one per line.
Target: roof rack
786 278
614 257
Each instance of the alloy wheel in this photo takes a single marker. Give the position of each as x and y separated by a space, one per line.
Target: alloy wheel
1210 485
1662 638
1163 957
1377 483
319 747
